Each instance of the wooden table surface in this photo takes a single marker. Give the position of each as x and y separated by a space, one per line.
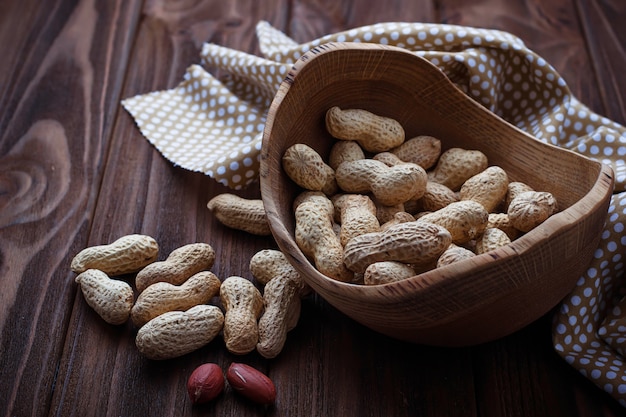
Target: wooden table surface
76 172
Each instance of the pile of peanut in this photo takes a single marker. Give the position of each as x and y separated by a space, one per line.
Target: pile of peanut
174 310
383 208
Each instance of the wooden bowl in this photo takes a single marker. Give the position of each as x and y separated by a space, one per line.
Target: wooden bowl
470 302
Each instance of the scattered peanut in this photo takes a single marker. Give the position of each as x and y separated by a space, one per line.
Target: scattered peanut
182 263
205 383
162 297
412 243
243 303
239 213
126 255
111 299
177 333
251 383
373 132
283 290
267 264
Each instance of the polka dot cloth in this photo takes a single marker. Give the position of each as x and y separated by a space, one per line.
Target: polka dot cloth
200 125
215 126
589 329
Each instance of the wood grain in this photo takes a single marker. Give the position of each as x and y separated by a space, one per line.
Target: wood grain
75 171
550 29
63 89
601 24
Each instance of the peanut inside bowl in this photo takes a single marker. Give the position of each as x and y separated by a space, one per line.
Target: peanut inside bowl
472 301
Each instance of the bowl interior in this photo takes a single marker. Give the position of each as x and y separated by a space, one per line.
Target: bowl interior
396 83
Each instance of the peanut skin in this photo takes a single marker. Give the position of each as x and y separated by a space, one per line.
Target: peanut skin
387 271
306 168
240 213
316 238
421 150
205 383
178 267
389 185
177 333
251 383
457 165
373 133
281 297
126 255
454 254
410 243
162 297
465 220
111 299
243 303
358 216
531 208
488 188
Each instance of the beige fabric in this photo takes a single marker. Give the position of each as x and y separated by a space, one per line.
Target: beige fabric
215 126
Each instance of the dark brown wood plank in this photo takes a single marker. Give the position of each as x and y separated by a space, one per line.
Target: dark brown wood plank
54 139
63 82
603 29
313 19
550 29
512 374
23 40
